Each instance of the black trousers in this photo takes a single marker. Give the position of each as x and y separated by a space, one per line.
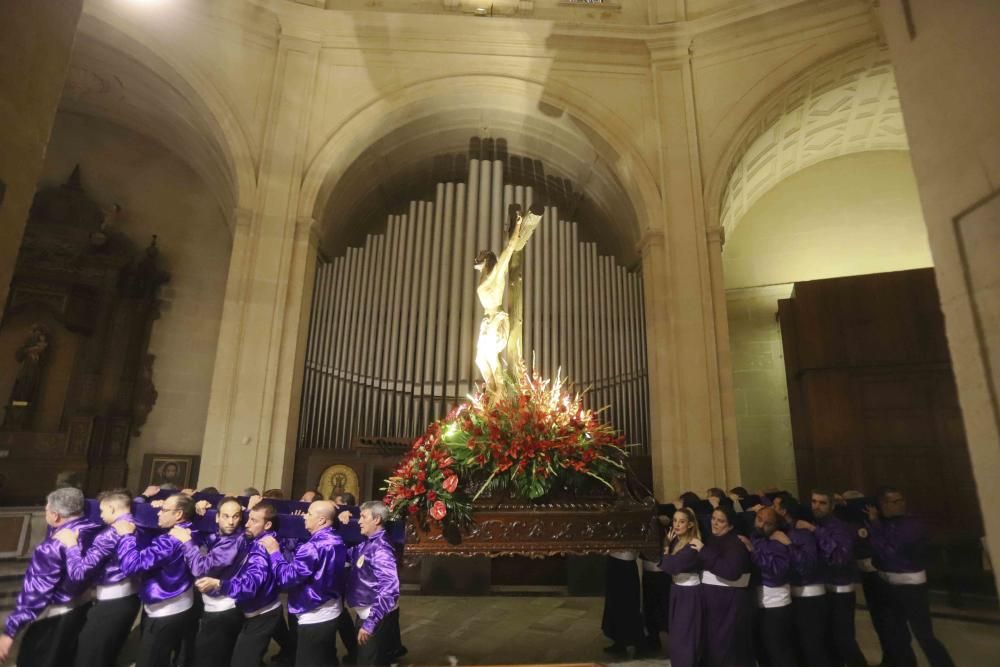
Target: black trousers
105 631
909 606
774 645
217 633
162 639
622 622
655 604
379 650
877 598
809 618
348 635
254 638
317 645
52 642
285 635
842 640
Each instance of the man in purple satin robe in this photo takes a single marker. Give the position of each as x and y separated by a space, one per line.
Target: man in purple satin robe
224 552
51 606
809 603
313 580
167 592
373 587
253 587
835 541
899 543
772 565
110 619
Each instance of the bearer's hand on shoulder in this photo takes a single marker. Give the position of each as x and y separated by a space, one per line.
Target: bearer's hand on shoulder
157 503
66 536
271 544
746 542
696 544
252 501
780 536
801 524
207 584
124 527
344 517
202 506
180 534
6 641
363 636
151 490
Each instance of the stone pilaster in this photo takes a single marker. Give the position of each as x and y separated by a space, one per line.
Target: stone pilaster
694 442
253 411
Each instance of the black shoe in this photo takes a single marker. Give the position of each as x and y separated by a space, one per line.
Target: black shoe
616 649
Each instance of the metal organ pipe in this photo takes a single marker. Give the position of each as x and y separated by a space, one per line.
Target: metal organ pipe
394 322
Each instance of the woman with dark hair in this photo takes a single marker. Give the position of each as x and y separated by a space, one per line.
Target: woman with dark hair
725 594
689 499
681 561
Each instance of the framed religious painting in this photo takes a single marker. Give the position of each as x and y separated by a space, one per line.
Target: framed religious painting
180 470
337 479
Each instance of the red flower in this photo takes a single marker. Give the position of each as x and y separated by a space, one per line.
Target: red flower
450 483
413 509
431 495
438 510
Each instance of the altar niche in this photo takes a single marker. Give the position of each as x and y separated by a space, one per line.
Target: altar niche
75 375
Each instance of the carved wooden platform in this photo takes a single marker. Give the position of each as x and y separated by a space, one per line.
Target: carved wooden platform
539 530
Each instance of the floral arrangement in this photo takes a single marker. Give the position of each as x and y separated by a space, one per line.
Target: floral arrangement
530 436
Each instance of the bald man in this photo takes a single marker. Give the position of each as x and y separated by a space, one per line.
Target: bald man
772 566
314 580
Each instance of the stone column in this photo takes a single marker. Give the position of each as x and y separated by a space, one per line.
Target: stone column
254 405
944 55
36 42
694 436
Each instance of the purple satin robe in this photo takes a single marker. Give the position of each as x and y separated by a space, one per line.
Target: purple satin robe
221 559
806 568
165 574
372 579
728 611
835 541
686 608
253 584
315 574
46 581
100 562
772 562
899 544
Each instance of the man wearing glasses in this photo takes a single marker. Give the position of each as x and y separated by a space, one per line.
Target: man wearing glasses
167 593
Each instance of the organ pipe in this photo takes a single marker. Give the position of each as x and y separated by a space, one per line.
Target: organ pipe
394 322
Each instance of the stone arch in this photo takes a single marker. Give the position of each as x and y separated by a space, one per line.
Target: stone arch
846 104
557 110
225 156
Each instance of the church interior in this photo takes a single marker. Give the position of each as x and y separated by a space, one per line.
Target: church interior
238 250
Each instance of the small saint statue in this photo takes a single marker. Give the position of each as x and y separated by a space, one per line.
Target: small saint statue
30 355
494 330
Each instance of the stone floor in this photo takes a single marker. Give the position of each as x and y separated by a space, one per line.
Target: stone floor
505 630
533 630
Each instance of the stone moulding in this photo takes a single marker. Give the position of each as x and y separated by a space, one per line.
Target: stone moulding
540 530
